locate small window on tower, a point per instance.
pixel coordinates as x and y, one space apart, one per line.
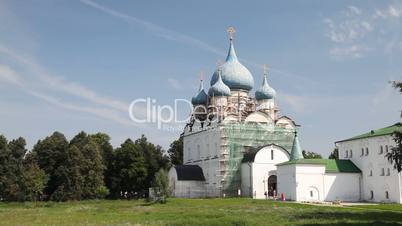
386 148
351 154
272 154
371 194
367 152
388 172
386 195
311 194
346 154
382 172
371 173
362 152
381 149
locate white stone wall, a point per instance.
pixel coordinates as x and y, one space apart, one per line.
310 182
372 163
342 186
203 148
287 181
185 189
264 165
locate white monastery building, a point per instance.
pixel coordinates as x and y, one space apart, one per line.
238 144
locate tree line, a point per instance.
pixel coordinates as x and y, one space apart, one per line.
86 167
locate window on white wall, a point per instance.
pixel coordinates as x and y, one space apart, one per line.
386 195
362 152
388 172
272 154
381 149
367 151
346 154
371 194
350 154
382 171
386 148
189 153
371 173
311 194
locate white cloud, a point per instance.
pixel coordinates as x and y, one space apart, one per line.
349 28
353 51
354 32
9 75
157 30
355 10
174 83
44 83
171 35
393 11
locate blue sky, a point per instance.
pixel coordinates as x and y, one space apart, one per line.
76 65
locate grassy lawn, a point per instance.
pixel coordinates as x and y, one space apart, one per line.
195 212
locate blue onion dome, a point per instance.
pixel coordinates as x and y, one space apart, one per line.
265 92
234 74
219 88
201 98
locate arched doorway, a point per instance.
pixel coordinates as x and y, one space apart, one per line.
272 185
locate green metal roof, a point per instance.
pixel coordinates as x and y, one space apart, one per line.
379 132
331 165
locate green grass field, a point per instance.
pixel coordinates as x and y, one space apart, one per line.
195 212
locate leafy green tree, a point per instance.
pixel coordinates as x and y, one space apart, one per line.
395 155
161 185
334 154
51 154
129 171
4 155
311 155
175 152
14 168
91 167
69 179
106 150
19 180
154 159
35 180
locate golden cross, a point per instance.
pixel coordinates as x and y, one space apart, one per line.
231 30
219 63
266 69
201 76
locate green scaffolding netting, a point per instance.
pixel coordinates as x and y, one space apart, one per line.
239 138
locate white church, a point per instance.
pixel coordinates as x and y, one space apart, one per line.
238 144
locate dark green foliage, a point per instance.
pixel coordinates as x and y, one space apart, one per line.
161 186
50 154
334 154
395 156
129 171
35 181
75 169
87 167
154 158
175 152
311 155
19 180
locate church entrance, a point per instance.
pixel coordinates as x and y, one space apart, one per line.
272 185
